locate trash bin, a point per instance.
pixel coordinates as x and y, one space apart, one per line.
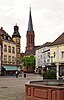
24 75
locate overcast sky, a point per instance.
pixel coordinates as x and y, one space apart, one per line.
47 17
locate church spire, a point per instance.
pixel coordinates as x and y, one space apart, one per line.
30 36
30 25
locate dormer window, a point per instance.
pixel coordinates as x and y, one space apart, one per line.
8 38
4 37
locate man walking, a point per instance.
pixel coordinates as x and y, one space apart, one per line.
16 73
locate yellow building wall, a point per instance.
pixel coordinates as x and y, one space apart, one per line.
52 50
7 53
17 46
57 49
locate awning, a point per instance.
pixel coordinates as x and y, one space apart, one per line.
11 68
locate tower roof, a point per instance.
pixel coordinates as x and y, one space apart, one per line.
30 25
16 31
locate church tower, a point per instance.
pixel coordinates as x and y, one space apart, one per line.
16 38
30 34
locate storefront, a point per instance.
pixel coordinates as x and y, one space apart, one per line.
9 70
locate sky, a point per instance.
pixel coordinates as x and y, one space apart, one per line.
47 17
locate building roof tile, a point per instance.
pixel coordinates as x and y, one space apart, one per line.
59 40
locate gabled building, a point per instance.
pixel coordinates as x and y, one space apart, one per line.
8 54
57 54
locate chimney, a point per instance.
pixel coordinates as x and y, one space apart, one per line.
1 28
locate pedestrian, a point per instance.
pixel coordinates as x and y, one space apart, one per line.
24 75
16 73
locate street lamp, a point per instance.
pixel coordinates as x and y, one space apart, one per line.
52 57
57 63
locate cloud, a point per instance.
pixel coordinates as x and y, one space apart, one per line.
47 16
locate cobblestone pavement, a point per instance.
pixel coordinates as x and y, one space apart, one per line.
12 88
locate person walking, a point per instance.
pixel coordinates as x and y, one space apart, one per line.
16 73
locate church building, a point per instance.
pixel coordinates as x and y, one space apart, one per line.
30 37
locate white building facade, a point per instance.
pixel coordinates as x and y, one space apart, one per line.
43 55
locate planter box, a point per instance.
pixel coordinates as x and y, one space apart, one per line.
36 91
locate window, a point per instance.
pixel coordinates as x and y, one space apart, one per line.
48 54
44 61
18 50
48 60
8 38
13 50
9 58
9 48
41 56
5 58
12 58
4 37
31 39
18 41
62 54
5 48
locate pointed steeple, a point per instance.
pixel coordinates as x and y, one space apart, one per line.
30 25
30 36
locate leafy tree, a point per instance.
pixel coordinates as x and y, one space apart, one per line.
29 61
